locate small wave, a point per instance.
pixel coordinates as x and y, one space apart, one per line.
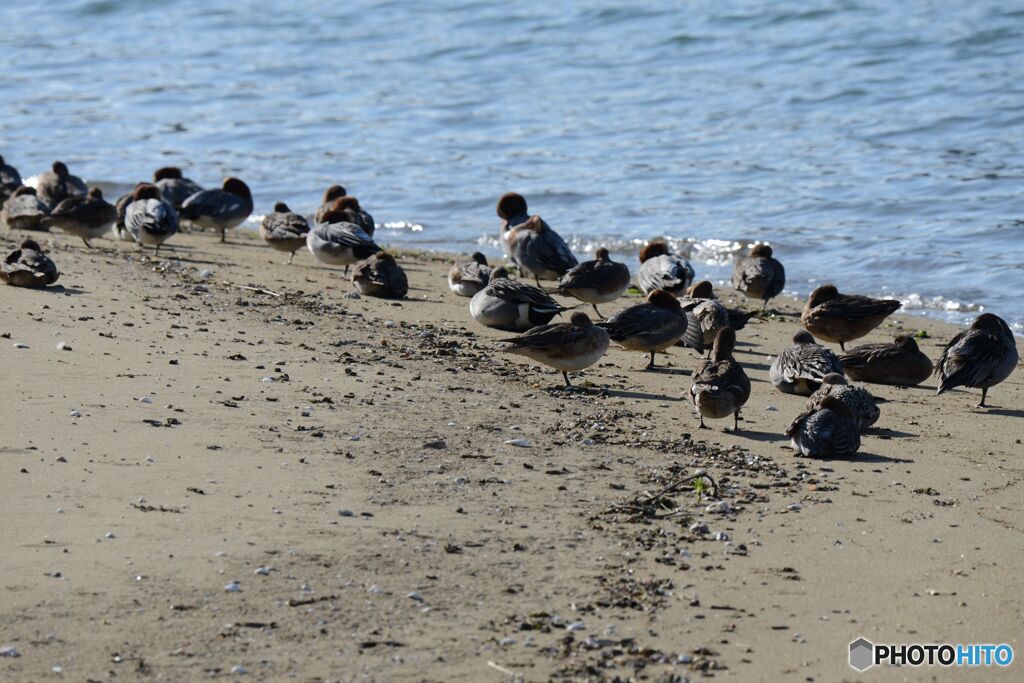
916 302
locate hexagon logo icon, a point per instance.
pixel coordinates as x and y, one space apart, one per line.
862 653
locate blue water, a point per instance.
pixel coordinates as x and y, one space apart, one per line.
876 144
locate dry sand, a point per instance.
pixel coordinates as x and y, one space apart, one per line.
405 538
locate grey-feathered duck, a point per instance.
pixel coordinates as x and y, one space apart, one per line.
380 276
284 230
713 316
530 242
840 318
85 217
654 325
566 347
355 213
28 266
56 185
661 269
830 431
331 194
595 282
24 211
901 363
466 278
220 209
337 242
175 188
759 275
860 401
148 218
511 305
800 368
980 357
720 387
10 180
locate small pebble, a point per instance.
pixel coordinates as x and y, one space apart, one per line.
239 669
721 536
76 413
9 651
19 345
794 507
233 587
521 443
575 626
353 295
145 399
63 346
268 379
390 323
110 534
263 571
699 528
415 596
721 507
346 513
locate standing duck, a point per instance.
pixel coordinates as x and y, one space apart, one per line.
356 213
28 266
661 269
800 368
530 242
840 318
380 276
56 185
284 230
10 180
121 206
466 278
24 211
860 402
713 316
566 347
654 325
331 194
595 282
980 357
148 218
759 275
829 431
220 209
337 242
901 363
174 187
720 388
510 305
86 217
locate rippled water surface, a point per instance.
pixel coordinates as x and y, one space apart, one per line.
879 145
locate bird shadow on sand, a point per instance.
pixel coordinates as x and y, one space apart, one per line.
863 457
642 395
61 289
185 259
1008 412
755 435
886 433
666 371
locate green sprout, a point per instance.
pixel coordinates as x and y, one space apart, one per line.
698 487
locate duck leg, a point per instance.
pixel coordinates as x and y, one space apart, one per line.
223 235
597 311
290 257
702 425
157 252
842 346
568 384
650 364
87 245
984 392
736 421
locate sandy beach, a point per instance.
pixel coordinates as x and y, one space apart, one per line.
237 470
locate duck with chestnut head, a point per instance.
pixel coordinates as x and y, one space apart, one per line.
175 188
840 318
980 357
760 275
661 269
331 194
337 242
901 363
566 347
220 209
355 213
530 242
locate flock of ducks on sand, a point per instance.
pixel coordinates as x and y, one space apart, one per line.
676 311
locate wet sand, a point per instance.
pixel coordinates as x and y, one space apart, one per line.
352 465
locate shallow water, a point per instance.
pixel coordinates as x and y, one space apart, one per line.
878 145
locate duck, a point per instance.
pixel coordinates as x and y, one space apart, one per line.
174 187
840 318
860 401
759 275
829 431
380 276
121 206
720 387
221 209
56 185
284 230
530 242
28 266
23 211
149 218
901 363
85 217
595 282
711 314
566 347
661 269
800 368
466 278
337 242
331 194
10 180
356 213
980 357
510 305
654 325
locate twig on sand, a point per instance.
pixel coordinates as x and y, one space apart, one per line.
252 289
647 504
498 667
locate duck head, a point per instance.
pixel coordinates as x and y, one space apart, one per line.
652 249
479 258
499 273
511 204
803 337
145 191
762 250
236 187
905 341
580 320
702 290
836 406
663 299
345 202
333 192
31 244
95 193
60 169
602 255
990 323
821 295
167 173
833 378
281 207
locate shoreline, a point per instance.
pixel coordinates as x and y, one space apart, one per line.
353 465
